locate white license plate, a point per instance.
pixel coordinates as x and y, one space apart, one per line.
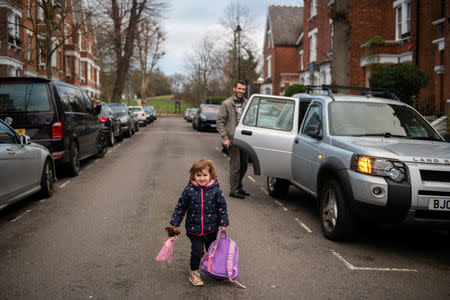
439 204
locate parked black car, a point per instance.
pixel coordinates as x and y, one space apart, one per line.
134 121
206 117
110 125
55 114
120 111
148 112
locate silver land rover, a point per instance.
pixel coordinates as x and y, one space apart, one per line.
362 157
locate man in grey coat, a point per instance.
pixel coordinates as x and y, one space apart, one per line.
229 115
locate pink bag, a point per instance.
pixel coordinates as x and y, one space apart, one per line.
165 254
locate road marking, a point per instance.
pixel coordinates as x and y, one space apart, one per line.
281 205
303 225
352 267
20 216
264 190
64 184
251 178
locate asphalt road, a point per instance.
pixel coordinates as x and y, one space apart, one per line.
98 236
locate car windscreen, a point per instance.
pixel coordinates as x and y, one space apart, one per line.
210 109
118 109
378 119
24 97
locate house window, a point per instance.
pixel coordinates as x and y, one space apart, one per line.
29 39
41 50
332 32
68 66
14 29
313 8
89 71
312 45
301 59
402 19
12 71
269 66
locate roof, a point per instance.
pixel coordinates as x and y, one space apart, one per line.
286 24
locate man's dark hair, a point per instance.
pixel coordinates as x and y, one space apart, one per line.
240 82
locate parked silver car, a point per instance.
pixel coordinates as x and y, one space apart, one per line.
26 167
363 158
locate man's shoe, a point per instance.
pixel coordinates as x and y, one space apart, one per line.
242 192
237 195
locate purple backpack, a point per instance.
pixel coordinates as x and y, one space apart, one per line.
221 260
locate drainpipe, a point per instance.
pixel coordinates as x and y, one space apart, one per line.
417 32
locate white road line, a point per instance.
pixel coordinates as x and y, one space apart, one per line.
251 178
281 205
20 216
64 184
264 190
303 225
352 267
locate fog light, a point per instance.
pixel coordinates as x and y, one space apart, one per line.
378 191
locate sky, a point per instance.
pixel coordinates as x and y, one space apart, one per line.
188 21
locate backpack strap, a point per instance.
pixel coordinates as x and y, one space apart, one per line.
231 252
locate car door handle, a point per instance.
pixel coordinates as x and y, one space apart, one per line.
11 151
246 132
296 139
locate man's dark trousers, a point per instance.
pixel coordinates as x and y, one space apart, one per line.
238 168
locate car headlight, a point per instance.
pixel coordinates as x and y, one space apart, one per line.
123 119
394 170
203 117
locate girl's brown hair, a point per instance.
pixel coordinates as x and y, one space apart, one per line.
201 164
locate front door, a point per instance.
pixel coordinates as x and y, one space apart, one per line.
267 131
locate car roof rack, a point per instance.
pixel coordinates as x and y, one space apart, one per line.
378 92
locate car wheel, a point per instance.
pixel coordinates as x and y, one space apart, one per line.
102 146
112 139
47 179
128 133
120 137
277 187
337 222
74 164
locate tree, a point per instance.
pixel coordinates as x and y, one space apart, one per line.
118 22
236 14
294 89
149 48
403 80
48 24
202 68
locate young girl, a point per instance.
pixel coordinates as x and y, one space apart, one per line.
206 211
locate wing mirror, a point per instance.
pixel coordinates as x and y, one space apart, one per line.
25 140
314 131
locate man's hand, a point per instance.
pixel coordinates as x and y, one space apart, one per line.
227 144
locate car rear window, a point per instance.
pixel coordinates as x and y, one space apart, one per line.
134 109
24 97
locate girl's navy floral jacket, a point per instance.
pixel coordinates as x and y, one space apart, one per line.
205 208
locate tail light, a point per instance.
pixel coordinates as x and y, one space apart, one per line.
143 114
57 131
103 119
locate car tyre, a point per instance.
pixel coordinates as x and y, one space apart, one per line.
47 179
74 164
112 139
277 187
337 221
102 145
128 133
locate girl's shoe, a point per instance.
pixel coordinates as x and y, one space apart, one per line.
195 278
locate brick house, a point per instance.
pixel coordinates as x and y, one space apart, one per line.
314 44
283 27
73 62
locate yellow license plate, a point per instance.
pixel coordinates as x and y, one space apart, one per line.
20 131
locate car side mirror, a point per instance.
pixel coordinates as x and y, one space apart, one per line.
313 131
98 109
25 140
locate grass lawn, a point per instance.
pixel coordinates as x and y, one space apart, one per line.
166 104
